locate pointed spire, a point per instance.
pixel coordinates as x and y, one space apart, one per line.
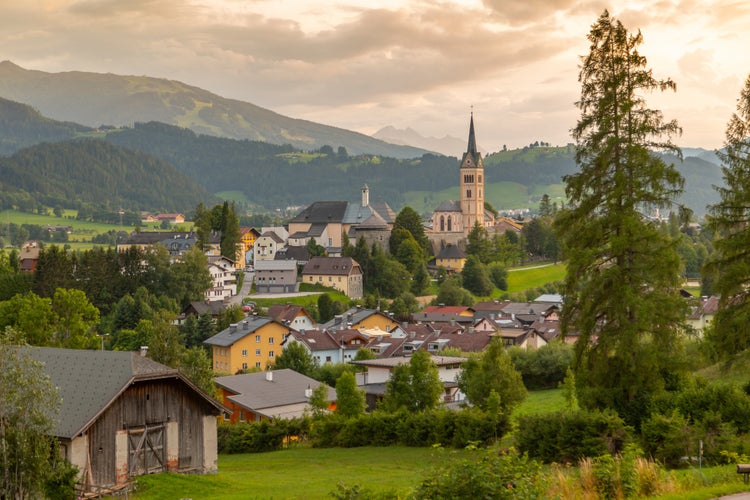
472 147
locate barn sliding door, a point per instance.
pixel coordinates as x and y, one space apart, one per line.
147 449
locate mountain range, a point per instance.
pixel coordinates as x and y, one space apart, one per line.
95 99
262 175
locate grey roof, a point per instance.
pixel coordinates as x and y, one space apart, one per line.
323 212
275 265
553 298
89 381
238 331
331 265
449 206
254 392
300 254
384 211
451 252
212 307
275 237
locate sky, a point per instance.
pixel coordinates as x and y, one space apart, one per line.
424 64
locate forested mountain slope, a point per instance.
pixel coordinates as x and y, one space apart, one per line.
99 173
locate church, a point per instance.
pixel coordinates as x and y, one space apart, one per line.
453 220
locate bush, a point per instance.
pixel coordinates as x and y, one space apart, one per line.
667 438
566 437
492 475
254 437
542 368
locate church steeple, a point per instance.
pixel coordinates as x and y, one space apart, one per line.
472 147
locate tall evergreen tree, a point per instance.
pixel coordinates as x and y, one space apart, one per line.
621 289
731 264
410 220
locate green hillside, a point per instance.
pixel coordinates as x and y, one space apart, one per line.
97 173
96 99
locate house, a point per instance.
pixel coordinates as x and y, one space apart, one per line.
123 415
145 240
503 224
301 255
248 236
329 346
252 343
171 218
378 372
179 243
522 337
223 278
275 276
359 318
451 258
342 273
269 395
292 315
443 313
702 314
29 256
197 308
266 246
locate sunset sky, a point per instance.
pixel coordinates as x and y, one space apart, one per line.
418 64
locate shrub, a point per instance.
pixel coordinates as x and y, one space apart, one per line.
566 437
667 438
491 475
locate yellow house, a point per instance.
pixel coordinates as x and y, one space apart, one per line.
252 343
361 319
451 258
248 235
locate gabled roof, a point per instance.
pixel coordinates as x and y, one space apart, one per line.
254 392
89 381
213 307
273 236
299 254
322 212
287 312
341 266
238 331
316 340
393 362
449 206
451 252
354 315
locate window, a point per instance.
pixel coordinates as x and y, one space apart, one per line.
257 352
468 193
270 354
242 415
244 366
270 340
257 364
244 353
480 178
257 338
330 278
328 359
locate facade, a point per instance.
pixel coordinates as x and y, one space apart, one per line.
341 273
330 346
252 343
266 246
268 395
276 276
223 278
248 235
123 415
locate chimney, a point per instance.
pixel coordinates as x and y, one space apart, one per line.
365 196
144 350
269 374
308 391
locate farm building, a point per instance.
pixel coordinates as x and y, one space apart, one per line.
123 415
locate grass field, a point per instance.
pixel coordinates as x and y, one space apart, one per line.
522 279
296 473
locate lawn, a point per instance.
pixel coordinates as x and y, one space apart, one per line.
308 473
522 279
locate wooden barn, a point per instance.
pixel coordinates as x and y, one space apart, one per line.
123 415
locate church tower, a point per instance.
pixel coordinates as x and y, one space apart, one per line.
472 184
